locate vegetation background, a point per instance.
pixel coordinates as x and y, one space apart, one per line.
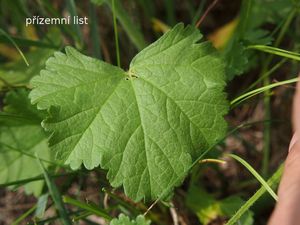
259 127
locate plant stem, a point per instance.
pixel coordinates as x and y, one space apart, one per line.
170 10
133 31
116 33
267 98
73 12
95 31
263 89
255 174
36 178
272 70
24 215
209 8
14 44
90 208
56 196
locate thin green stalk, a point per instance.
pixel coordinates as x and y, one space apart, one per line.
27 42
65 28
82 216
122 202
90 208
52 219
56 196
198 13
244 18
73 13
32 179
24 215
267 74
169 6
273 181
276 51
206 12
31 155
116 33
133 31
267 129
267 94
94 31
14 44
285 26
257 91
255 174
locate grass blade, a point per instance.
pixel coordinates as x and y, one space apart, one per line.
276 51
31 155
73 12
90 208
274 180
16 46
116 33
169 5
130 28
267 74
55 196
94 31
257 91
198 12
24 215
27 42
255 174
52 11
32 179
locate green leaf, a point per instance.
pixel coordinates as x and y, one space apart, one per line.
254 14
145 125
236 58
124 220
19 140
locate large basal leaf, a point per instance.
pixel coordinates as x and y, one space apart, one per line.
124 220
21 137
145 125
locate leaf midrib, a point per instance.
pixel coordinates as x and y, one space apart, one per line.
144 134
